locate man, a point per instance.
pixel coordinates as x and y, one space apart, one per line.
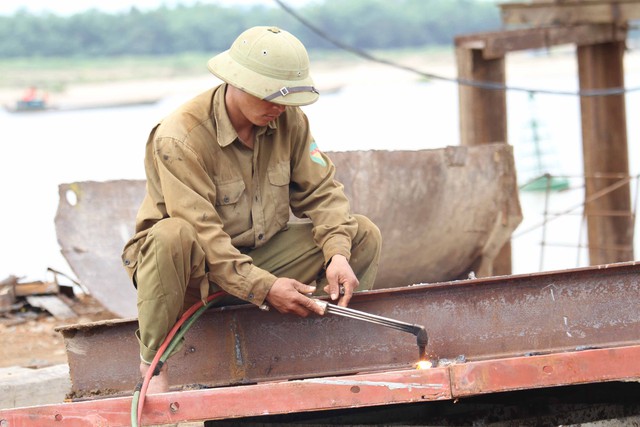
222 173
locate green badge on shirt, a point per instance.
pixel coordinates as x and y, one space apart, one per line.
316 156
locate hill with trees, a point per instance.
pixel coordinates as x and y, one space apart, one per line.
209 28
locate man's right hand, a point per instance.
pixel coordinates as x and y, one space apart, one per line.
289 296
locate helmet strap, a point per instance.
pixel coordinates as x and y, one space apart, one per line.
284 91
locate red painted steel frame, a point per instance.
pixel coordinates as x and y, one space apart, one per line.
344 392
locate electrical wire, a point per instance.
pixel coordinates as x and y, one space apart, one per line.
463 82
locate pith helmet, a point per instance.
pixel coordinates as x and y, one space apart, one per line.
268 63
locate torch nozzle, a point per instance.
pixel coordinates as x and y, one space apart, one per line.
423 340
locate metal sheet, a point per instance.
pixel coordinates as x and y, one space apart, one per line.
342 392
93 222
262 399
551 370
454 227
472 320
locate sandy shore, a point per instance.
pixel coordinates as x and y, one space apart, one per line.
328 75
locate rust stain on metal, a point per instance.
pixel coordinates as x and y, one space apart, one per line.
482 319
567 368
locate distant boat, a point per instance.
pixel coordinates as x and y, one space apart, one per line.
31 105
22 106
32 100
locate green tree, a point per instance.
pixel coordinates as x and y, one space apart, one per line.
363 24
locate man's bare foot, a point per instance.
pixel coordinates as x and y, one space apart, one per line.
158 383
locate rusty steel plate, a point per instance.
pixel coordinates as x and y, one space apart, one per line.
549 370
467 320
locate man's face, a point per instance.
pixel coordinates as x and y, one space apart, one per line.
256 110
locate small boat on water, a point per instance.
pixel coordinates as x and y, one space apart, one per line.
41 105
32 105
32 100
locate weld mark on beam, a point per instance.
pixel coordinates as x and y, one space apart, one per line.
389 385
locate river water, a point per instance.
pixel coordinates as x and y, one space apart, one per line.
42 150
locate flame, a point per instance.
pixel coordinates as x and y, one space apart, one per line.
424 364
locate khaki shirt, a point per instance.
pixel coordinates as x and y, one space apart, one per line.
235 197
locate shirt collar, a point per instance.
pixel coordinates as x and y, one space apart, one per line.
225 131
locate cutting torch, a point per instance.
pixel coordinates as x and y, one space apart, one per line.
417 330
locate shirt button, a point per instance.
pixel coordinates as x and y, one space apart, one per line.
127 262
250 296
226 199
260 236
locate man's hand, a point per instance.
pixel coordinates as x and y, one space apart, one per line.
289 296
340 276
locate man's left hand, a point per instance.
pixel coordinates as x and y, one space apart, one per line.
341 276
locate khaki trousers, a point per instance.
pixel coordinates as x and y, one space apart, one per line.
171 269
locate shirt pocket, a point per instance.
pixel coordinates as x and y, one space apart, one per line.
279 179
231 206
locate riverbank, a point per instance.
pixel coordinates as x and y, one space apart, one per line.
81 85
82 82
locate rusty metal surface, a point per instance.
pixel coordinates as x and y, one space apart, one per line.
472 320
558 369
93 222
274 398
346 392
442 213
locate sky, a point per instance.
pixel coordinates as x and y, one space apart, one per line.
69 7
